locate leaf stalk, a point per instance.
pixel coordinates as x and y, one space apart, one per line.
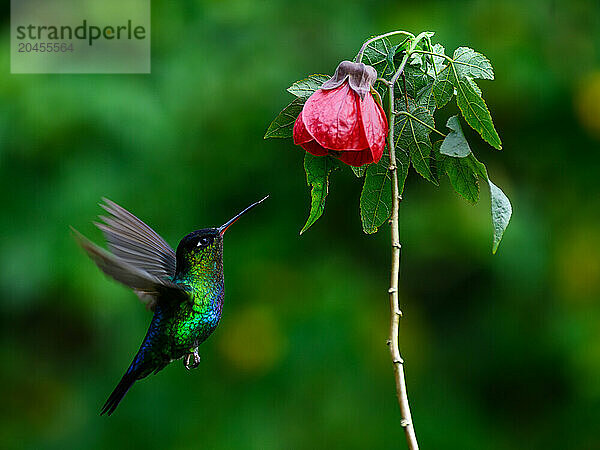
416 119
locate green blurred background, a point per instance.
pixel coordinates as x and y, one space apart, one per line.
501 352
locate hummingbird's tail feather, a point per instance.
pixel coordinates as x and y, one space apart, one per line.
117 395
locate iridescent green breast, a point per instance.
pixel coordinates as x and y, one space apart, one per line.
197 319
201 271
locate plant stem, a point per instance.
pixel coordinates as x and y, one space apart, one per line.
395 312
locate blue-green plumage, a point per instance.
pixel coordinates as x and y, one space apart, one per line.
185 289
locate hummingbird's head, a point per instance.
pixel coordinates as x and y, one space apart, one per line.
200 253
206 240
205 247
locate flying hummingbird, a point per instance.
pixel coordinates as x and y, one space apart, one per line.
185 289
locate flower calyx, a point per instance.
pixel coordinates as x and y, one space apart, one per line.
360 76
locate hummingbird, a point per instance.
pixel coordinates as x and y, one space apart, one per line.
184 288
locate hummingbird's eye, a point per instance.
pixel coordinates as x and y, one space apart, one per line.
203 242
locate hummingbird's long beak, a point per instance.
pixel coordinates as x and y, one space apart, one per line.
223 228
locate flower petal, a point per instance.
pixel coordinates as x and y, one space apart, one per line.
375 125
332 119
314 148
301 135
305 140
357 159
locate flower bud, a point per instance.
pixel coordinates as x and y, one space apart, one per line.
342 119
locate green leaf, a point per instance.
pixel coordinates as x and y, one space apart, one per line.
426 98
412 136
317 170
475 111
359 171
457 77
376 196
306 87
463 173
501 213
438 168
455 143
403 164
415 59
463 176
443 87
476 88
500 204
477 166
376 55
415 80
283 125
437 63
470 63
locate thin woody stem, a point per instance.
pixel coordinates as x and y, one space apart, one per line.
396 313
359 56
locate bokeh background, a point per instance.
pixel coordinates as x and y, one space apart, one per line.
502 352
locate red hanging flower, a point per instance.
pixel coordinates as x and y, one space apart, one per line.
342 119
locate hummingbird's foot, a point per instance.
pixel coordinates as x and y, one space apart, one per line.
192 360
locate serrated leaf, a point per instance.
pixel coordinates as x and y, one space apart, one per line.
376 196
462 177
437 63
318 169
426 98
412 136
443 87
470 63
306 87
501 213
476 88
415 59
283 125
455 144
457 78
414 80
475 111
375 55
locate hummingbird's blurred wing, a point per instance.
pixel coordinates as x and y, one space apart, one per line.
148 287
136 243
